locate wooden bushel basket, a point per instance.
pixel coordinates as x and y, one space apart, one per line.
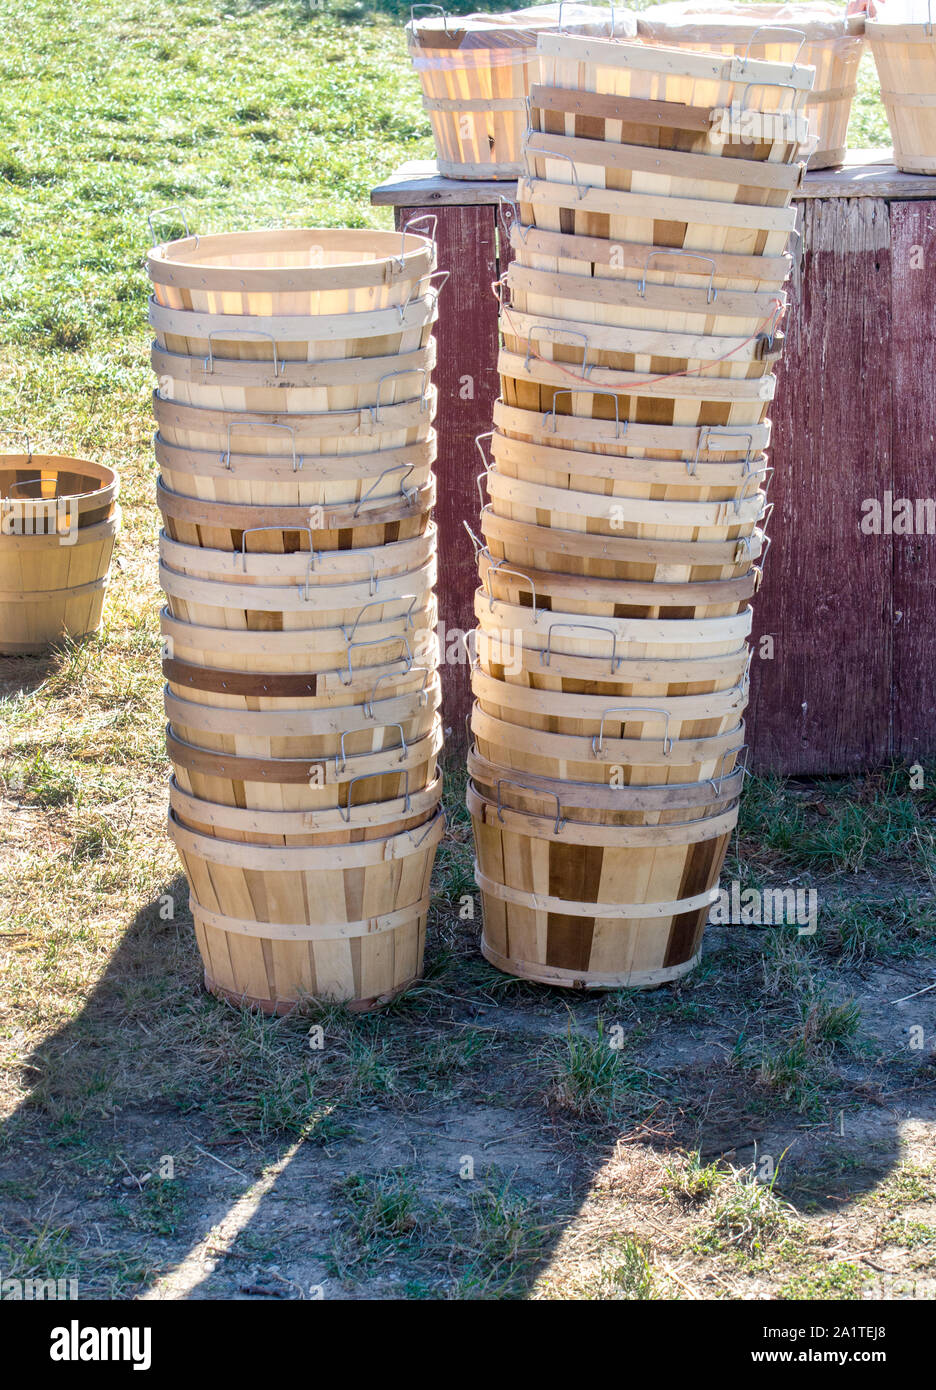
566 252
216 383
595 804
617 303
314 271
628 168
366 480
615 677
332 656
58 521
679 717
476 73
393 721
278 925
371 522
594 907
605 515
673 127
696 478
619 557
284 436
332 567
652 757
905 57
535 375
556 202
818 34
546 591
706 83
293 829
305 605
296 337
393 768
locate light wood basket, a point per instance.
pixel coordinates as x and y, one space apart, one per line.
58 521
277 926
594 907
815 34
476 75
905 56
313 271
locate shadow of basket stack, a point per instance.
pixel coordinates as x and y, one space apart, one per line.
625 528
295 445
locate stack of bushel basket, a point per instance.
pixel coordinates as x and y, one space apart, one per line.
627 480
295 446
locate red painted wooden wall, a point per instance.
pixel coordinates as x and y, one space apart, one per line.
852 617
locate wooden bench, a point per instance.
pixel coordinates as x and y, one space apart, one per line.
847 678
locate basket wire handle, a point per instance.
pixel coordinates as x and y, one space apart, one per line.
341 758
581 627
363 777
438 10
776 29
537 328
580 188
408 494
711 293
252 530
252 424
376 642
570 391
278 367
181 217
598 740
512 782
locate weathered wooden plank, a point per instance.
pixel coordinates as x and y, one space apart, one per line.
821 704
864 174
466 377
913 265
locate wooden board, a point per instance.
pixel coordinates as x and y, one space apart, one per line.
864 174
467 383
913 256
822 703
